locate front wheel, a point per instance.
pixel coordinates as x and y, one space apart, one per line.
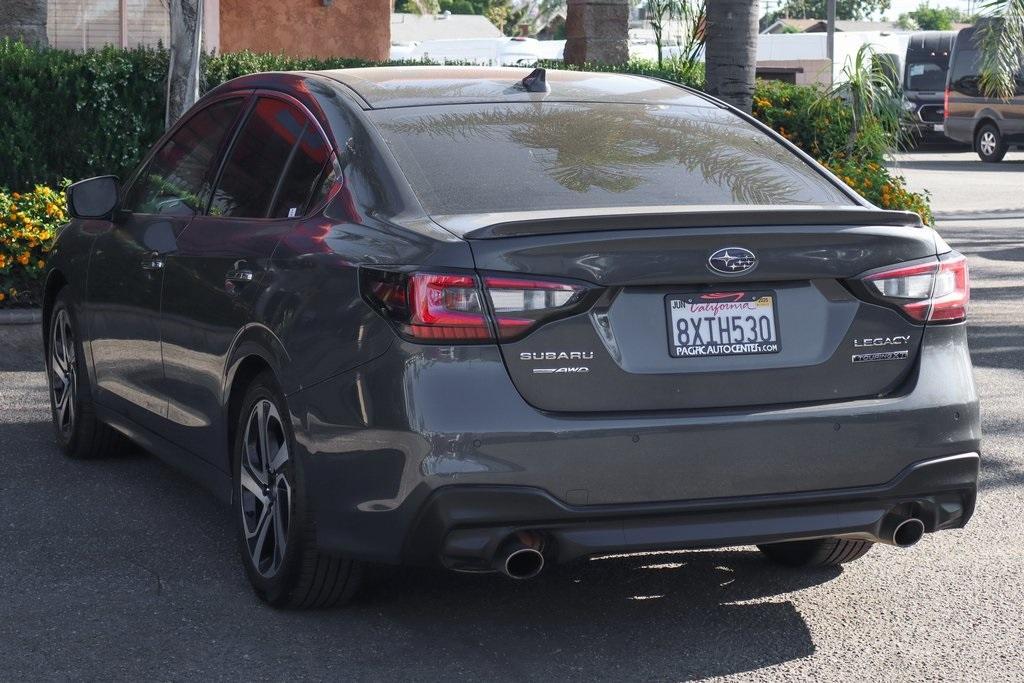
818 552
989 144
275 533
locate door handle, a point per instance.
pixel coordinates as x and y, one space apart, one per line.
239 276
152 262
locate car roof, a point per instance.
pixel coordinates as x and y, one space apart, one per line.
417 86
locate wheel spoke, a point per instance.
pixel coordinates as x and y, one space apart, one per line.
280 535
260 535
250 484
280 458
263 447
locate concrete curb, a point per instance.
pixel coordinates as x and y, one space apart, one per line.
21 316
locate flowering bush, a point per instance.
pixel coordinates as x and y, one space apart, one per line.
878 185
29 222
820 125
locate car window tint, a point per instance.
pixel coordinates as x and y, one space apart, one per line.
176 180
966 67
560 155
307 165
264 148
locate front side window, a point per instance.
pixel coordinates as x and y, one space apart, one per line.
176 180
272 166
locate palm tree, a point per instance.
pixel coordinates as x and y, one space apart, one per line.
1002 47
731 52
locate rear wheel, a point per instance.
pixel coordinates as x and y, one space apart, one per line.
989 144
818 552
79 433
275 533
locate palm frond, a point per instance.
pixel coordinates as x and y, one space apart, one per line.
1002 47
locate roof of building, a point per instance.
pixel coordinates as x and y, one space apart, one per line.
842 25
411 86
409 28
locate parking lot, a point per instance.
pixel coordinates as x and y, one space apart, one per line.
124 569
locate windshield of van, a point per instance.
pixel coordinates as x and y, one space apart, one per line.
926 69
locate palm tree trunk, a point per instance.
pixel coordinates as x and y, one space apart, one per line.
731 52
186 49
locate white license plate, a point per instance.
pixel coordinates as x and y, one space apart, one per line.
704 324
938 127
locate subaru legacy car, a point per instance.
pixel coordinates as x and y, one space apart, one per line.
492 320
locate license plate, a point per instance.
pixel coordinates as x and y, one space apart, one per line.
938 127
705 324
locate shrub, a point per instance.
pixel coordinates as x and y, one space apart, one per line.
75 115
29 222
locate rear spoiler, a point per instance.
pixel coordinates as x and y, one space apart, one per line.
521 224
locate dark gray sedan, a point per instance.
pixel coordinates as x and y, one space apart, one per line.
456 316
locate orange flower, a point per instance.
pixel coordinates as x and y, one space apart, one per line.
40 264
2 296
23 258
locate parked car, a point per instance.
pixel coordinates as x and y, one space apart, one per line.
991 124
924 83
454 316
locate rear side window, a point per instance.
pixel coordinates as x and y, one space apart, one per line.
272 166
177 179
966 67
562 155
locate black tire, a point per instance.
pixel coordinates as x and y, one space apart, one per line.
989 143
293 575
80 434
818 552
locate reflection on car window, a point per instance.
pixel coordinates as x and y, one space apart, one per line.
176 180
276 139
508 157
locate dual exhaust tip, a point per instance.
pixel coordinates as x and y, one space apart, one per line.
519 557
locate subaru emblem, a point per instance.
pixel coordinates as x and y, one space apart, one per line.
732 261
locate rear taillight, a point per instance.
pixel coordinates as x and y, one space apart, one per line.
520 304
449 307
430 307
945 105
936 291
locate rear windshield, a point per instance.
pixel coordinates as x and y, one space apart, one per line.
525 156
928 73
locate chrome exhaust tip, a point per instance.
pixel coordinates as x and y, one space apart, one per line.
908 532
519 557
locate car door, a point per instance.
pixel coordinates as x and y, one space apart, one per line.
215 278
126 265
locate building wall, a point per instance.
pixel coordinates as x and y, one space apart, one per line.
308 28
806 71
23 20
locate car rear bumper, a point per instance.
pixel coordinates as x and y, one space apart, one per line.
438 433
464 526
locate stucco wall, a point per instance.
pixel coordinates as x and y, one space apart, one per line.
306 28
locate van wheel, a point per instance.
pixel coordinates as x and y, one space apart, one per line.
275 532
818 552
989 144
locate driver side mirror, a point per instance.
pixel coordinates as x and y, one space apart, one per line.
93 198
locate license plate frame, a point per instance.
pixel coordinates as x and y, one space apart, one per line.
723 304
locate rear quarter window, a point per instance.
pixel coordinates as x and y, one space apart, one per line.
525 156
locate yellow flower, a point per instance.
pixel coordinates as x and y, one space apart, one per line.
16 195
40 264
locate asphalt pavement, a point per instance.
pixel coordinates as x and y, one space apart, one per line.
123 569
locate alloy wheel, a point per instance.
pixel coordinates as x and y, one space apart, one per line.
987 143
265 493
63 373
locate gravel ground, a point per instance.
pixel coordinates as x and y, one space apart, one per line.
123 569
